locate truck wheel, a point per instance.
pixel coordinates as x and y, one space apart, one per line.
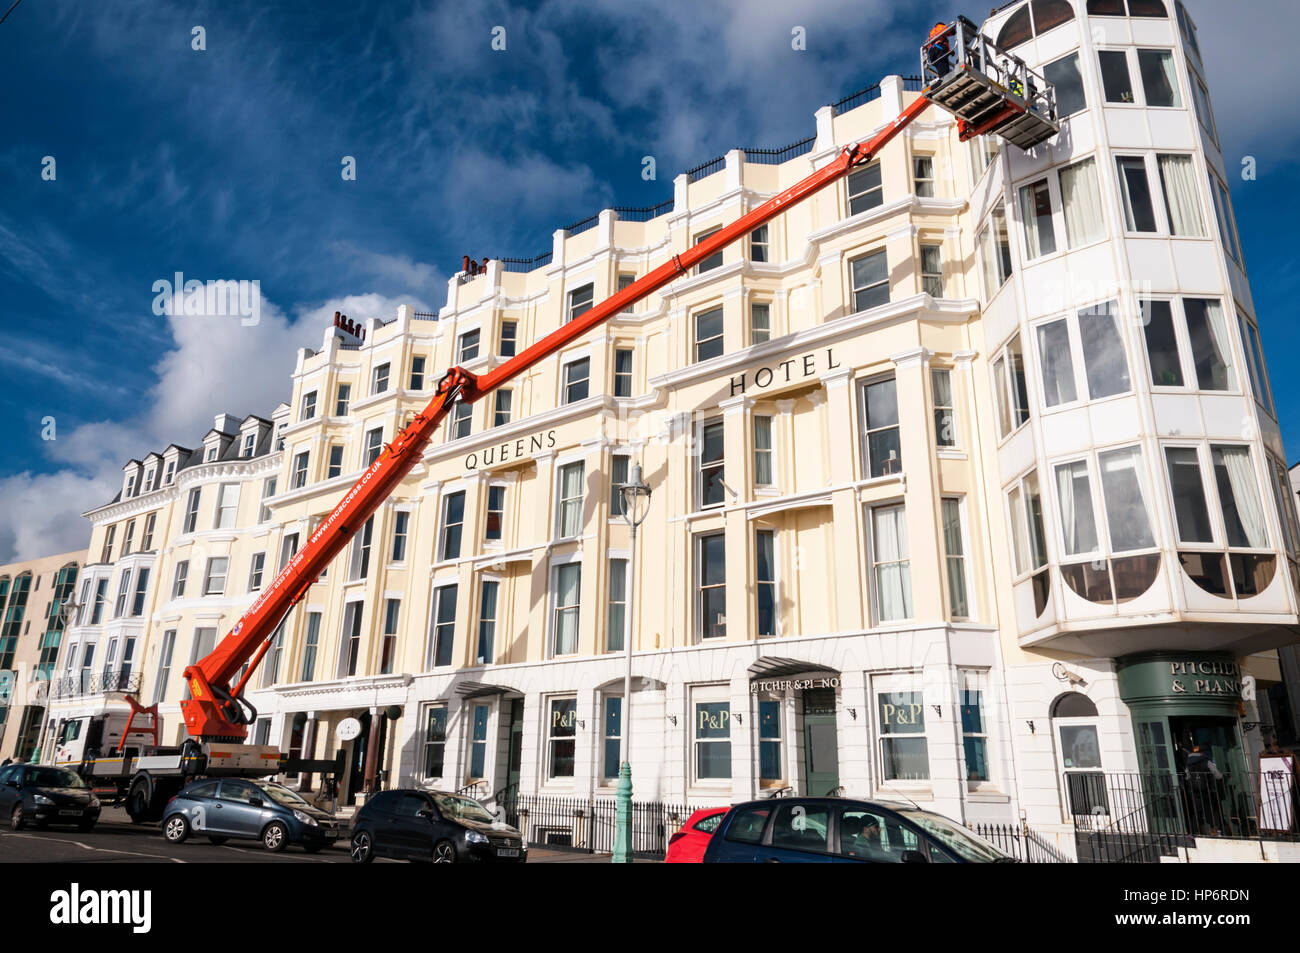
176 829
16 820
275 837
137 802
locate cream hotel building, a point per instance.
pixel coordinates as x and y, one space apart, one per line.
966 480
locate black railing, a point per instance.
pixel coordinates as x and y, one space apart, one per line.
627 213
1020 843
854 100
589 824
526 264
424 315
783 154
579 227
474 789
705 169
96 683
913 84
507 801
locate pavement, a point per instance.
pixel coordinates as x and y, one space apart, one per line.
116 840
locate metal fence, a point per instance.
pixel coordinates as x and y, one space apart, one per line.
782 154
589 824
96 683
1021 843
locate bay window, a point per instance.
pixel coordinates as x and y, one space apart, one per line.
569 500
891 578
1085 222
708 334
712 465
881 447
1036 215
865 189
870 280
1010 387
561 738
487 622
442 627
711 592
1159 79
711 723
567 591
900 707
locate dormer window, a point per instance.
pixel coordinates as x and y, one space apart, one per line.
149 483
130 485
250 441
171 471
212 454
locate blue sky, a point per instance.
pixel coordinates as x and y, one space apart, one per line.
225 164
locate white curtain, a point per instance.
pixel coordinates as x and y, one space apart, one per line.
1180 196
1171 78
1029 215
567 580
571 494
1078 527
1084 220
1245 495
1126 510
1219 329
893 574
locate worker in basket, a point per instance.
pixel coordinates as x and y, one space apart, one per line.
939 53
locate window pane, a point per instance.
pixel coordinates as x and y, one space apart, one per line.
1162 345
1208 334
1065 77
1181 201
1084 220
1114 76
708 334
1243 517
1078 523
1138 213
1126 510
1190 509
870 275
1057 363
893 582
1159 81
958 602
865 190
1103 351
1036 213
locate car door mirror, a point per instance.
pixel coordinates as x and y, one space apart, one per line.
914 857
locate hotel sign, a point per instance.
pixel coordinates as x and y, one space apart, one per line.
766 685
1205 678
784 372
511 450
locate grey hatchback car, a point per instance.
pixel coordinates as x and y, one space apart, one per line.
222 808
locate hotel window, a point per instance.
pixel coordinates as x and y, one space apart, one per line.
870 277
130 487
106 553
568 517
712 465
350 640
1182 205
1116 84
146 538
227 506
279 435
171 471
945 416
1139 214
250 438
123 590
760 248
467 347
359 564
268 491
891 575
417 372
487 622
478 743
271 666
164 665
865 189
708 334
379 379
881 447
1201 100
509 338
618 468
435 741
1159 79
1136 8
612 734
711 571
760 322
401 523
622 372
770 763
308 407
1067 81
214 580
1101 349
256 567
299 471
625 280
128 537
1227 227
462 419
288 548
501 408
714 260
974 727
179 578
1255 365
762 450
995 251
97 608
453 520
494 525
923 176
1081 200
932 270
1036 215
954 550
904 753
765 581
341 399
335 466
211 455
561 737
577 378
388 648
568 596
1202 326
580 301
310 643
616 619
191 516
982 150
712 723
374 445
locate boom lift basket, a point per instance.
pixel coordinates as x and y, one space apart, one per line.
989 91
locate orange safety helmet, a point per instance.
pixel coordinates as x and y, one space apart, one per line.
937 29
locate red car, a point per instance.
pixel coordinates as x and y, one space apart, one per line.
687 845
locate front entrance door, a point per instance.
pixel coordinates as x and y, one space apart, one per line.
516 741
1217 805
820 742
357 762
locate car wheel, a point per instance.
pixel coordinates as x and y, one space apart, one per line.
217 839
16 819
275 837
363 849
444 852
176 828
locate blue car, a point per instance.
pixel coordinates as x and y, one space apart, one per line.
222 808
831 830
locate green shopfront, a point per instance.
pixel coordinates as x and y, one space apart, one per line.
1181 702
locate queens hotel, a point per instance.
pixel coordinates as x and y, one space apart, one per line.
966 479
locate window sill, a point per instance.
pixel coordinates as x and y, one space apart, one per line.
977 794
950 453
916 792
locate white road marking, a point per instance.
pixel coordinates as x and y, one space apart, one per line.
104 850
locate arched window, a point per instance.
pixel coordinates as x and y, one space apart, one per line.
1136 8
1047 14
1016 30
1073 705
1106 8
1051 13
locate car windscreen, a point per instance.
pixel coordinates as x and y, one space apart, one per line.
281 794
51 778
462 808
956 838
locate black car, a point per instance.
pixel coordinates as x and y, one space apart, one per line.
831 830
432 826
38 794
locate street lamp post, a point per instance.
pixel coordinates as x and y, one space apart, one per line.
635 496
